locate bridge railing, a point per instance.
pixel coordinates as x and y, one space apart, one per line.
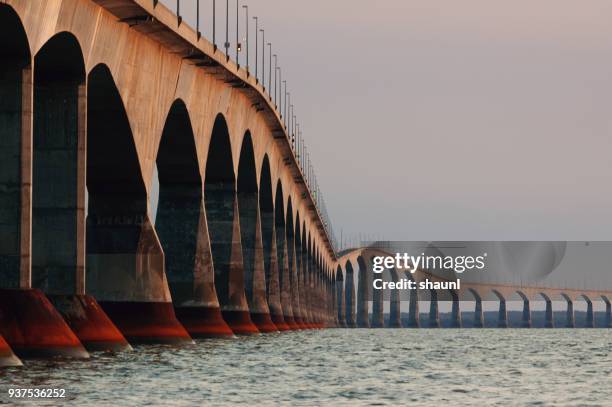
279 100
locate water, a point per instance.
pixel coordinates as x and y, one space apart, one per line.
443 367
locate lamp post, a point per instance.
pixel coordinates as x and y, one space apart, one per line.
285 104
227 43
237 34
270 71
263 58
214 13
246 9
256 47
275 78
198 33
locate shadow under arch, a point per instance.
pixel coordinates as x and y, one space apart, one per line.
549 314
299 272
282 253
292 263
223 219
251 237
340 297
502 318
526 316
15 89
349 292
58 187
269 239
364 293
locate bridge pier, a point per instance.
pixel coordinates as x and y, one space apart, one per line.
590 317
608 318
255 275
349 287
526 317
364 290
502 321
283 263
395 312
7 357
378 320
550 318
456 310
570 321
413 311
34 328
478 314
434 317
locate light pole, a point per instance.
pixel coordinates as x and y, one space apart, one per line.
263 58
256 47
284 112
275 77
237 35
270 71
198 33
215 25
246 9
227 43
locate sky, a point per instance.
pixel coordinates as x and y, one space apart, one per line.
445 119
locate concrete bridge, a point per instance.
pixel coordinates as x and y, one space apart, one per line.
96 96
353 304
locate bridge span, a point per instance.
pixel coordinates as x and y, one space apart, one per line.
353 305
96 96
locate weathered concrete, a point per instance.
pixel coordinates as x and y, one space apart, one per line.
570 319
341 298
590 317
349 288
395 312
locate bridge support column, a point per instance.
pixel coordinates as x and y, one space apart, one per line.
413 312
526 319
570 321
550 317
590 317
272 272
478 314
608 318
456 311
341 303
229 272
7 357
378 320
284 277
364 294
295 291
395 312
502 321
254 268
350 300
434 317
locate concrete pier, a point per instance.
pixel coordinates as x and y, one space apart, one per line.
413 312
456 310
349 288
434 317
395 312
7 357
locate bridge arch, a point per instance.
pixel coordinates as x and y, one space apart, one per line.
283 255
58 191
179 220
222 213
16 66
349 292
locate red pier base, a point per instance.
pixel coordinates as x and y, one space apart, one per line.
264 323
279 322
291 323
89 322
147 322
33 328
7 357
300 323
203 322
240 322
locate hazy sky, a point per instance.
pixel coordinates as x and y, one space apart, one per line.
450 120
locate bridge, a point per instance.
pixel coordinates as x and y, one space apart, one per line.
101 98
96 96
352 304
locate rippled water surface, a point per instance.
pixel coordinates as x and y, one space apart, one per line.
344 367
